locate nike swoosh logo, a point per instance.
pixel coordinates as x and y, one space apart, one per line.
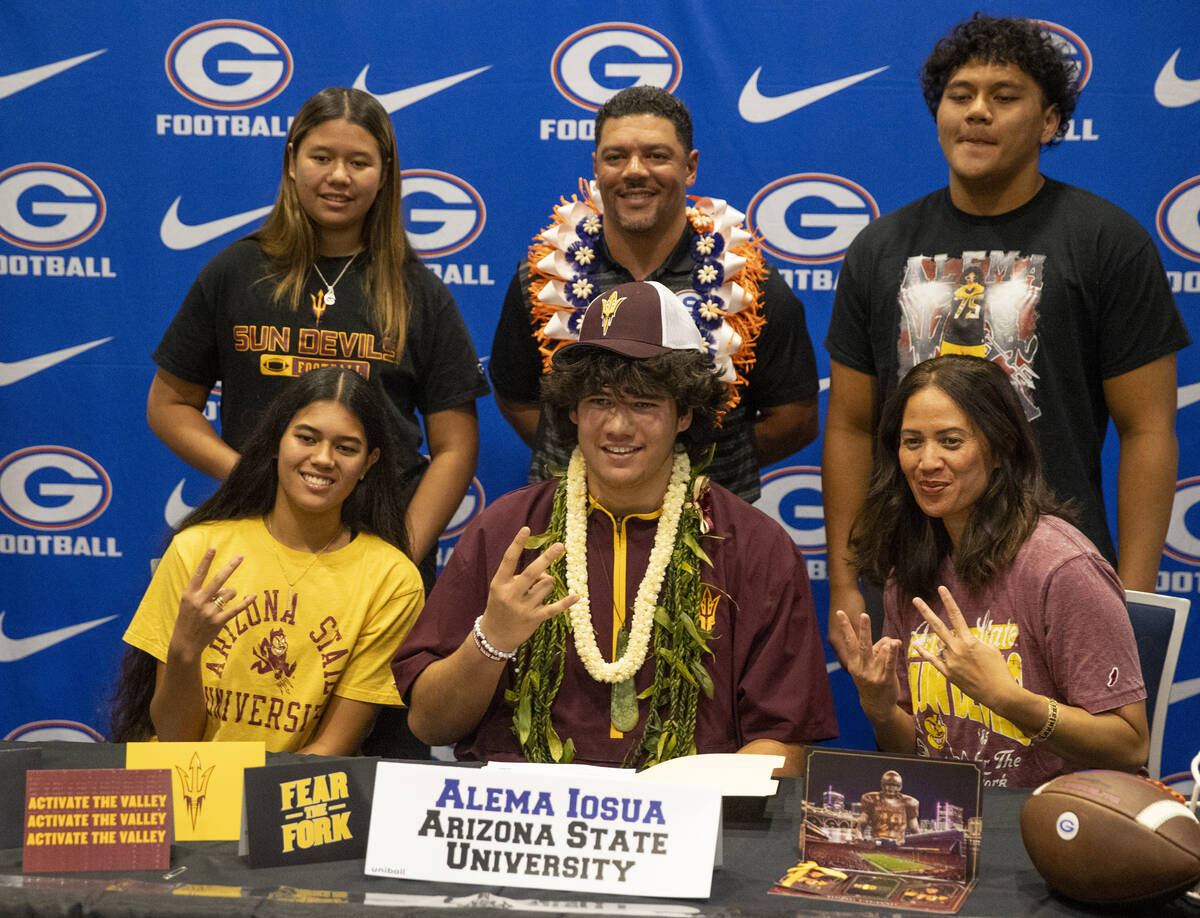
1188 395
1181 691
1171 90
176 509
13 649
176 234
394 101
19 369
15 82
756 108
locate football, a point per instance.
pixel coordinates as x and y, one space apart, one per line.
1111 837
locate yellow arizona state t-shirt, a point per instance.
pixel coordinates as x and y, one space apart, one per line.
272 669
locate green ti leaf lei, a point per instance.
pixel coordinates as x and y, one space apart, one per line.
679 644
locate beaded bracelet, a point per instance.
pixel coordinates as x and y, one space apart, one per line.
485 648
1051 723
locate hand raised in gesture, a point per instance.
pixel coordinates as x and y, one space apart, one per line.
873 667
516 602
205 607
978 668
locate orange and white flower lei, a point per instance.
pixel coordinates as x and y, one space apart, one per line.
735 307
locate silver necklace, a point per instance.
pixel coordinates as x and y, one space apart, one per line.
330 296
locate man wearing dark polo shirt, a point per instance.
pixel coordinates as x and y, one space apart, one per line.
635 223
700 601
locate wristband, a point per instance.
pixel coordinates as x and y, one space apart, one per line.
485 648
1051 723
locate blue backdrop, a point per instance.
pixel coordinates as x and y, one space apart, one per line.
139 140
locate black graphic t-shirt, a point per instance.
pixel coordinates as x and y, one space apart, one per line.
1064 292
228 329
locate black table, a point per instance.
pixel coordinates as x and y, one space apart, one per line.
760 843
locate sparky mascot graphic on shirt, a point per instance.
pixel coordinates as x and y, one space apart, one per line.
935 730
271 657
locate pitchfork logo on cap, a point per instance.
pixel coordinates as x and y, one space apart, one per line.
608 311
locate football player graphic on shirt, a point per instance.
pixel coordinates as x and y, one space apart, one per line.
981 303
965 326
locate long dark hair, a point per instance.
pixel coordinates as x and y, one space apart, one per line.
892 536
290 241
377 505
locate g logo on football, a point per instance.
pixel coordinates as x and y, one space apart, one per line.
835 209
260 72
1067 825
1072 47
66 209
622 54
452 223
1178 218
53 488
792 497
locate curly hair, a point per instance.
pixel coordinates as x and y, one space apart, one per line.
685 376
648 100
892 536
1020 42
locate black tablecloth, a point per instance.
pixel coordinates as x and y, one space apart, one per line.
760 843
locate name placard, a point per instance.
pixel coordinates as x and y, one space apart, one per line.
595 834
97 819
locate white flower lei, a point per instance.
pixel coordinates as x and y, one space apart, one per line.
647 594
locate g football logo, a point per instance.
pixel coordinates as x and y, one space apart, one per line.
442 212
1178 218
471 506
44 731
53 488
792 497
1072 47
202 66
594 64
812 217
1183 543
45 206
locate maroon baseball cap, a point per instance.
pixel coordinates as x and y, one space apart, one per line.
638 319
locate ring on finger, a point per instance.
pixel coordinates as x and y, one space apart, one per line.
218 600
